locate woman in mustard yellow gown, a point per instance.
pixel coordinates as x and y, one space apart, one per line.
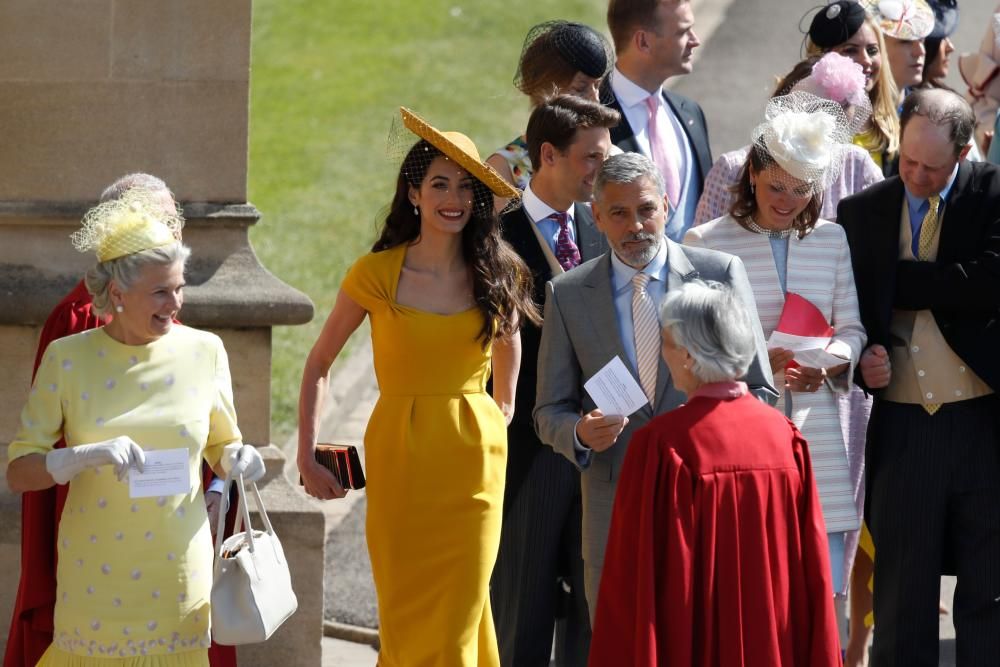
444 295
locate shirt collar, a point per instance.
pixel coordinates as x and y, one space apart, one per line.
917 203
622 273
724 390
627 92
538 210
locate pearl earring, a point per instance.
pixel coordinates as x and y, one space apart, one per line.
416 211
119 309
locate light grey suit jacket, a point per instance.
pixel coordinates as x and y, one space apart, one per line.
580 336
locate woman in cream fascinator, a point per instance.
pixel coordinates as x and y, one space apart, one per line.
134 567
775 228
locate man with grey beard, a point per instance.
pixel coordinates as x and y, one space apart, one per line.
606 308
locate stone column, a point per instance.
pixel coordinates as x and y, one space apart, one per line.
94 89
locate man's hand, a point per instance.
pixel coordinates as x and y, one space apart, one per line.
874 365
779 358
597 432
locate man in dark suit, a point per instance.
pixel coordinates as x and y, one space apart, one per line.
553 231
654 40
591 318
926 252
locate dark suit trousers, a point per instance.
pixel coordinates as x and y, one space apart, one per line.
934 495
539 544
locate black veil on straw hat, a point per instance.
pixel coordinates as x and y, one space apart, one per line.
581 46
836 23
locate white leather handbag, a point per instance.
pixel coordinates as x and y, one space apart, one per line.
252 590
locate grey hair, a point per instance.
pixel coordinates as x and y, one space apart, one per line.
943 108
136 180
125 271
712 324
627 168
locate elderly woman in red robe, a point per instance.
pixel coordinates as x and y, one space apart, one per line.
717 553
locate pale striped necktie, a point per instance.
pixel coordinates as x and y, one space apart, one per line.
646 327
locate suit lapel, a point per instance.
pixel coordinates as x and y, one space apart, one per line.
883 246
598 292
622 134
679 271
517 230
956 210
694 130
589 238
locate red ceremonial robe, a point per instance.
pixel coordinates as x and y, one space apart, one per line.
32 621
717 553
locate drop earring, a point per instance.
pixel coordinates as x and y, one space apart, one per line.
416 211
753 187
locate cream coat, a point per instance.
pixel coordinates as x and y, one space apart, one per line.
819 269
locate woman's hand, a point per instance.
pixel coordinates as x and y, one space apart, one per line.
121 453
779 358
802 379
240 459
507 409
318 481
837 371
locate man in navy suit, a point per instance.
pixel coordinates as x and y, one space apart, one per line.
540 542
654 40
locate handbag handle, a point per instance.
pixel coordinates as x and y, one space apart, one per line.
243 515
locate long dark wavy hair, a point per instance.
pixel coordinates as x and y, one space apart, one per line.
501 281
745 205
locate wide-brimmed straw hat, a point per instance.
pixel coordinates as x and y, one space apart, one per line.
462 150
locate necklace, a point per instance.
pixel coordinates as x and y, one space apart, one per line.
769 233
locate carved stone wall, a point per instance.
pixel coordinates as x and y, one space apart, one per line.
92 90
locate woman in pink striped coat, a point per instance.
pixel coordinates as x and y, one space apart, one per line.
775 228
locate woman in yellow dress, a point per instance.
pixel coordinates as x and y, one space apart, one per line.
134 572
444 295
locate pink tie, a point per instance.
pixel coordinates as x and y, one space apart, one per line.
663 148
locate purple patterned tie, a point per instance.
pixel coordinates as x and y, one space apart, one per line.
567 254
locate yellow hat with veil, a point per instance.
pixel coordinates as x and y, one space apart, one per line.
136 221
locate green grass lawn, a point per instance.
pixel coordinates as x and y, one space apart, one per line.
327 79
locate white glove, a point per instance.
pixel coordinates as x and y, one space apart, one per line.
121 452
240 459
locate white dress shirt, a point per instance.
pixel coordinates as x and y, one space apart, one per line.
632 99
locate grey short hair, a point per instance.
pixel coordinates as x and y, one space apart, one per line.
712 324
627 168
136 180
125 271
